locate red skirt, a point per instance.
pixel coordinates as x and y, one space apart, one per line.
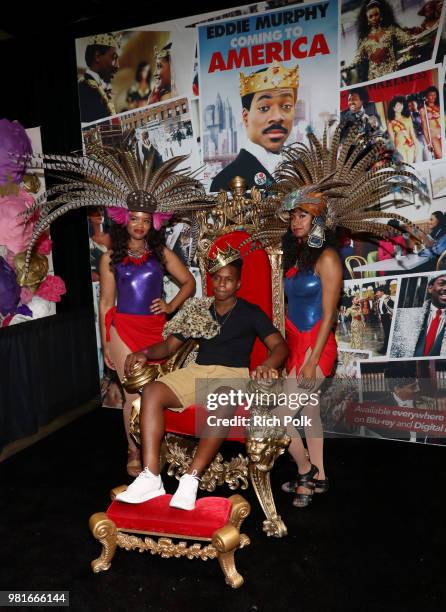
136 331
300 341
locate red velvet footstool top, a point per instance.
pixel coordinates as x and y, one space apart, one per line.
156 516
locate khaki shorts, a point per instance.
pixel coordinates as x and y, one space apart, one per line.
183 382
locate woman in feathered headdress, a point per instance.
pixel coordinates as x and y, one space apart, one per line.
138 199
323 188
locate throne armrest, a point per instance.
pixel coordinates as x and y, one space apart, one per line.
143 374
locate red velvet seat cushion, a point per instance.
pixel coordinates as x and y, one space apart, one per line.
156 516
190 422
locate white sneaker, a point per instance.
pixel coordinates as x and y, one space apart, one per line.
186 494
145 486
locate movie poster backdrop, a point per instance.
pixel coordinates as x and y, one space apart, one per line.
382 37
387 71
302 39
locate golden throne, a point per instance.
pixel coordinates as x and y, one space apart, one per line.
231 220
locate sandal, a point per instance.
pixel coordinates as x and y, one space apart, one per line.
321 486
307 480
134 466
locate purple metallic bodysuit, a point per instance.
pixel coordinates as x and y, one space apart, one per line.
138 286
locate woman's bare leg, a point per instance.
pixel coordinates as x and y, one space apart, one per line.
118 352
437 145
313 435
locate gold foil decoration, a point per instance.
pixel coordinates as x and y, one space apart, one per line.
31 183
38 270
9 188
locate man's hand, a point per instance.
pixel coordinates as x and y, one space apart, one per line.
132 359
263 372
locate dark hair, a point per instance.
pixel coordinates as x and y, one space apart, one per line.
94 210
391 110
432 88
238 265
387 16
399 380
394 223
247 101
440 229
119 236
430 4
413 98
361 92
400 375
299 254
91 51
139 70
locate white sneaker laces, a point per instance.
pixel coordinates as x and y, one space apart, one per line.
146 473
193 475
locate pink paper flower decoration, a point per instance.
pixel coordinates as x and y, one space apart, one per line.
118 215
44 245
10 258
26 295
51 289
121 216
159 218
15 234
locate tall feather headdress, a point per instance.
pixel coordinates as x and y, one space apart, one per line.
114 178
342 184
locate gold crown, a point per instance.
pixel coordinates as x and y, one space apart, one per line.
274 77
220 259
106 40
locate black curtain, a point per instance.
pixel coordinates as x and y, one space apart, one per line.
49 366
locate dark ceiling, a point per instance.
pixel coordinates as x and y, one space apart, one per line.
84 17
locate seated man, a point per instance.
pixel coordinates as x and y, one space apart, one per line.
224 356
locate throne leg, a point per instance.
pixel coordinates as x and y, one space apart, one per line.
104 530
262 453
226 540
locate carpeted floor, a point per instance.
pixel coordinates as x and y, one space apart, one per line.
376 541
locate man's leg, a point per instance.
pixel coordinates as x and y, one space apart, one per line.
156 397
212 437
386 322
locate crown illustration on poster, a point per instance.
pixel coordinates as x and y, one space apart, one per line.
220 259
274 77
163 52
106 40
